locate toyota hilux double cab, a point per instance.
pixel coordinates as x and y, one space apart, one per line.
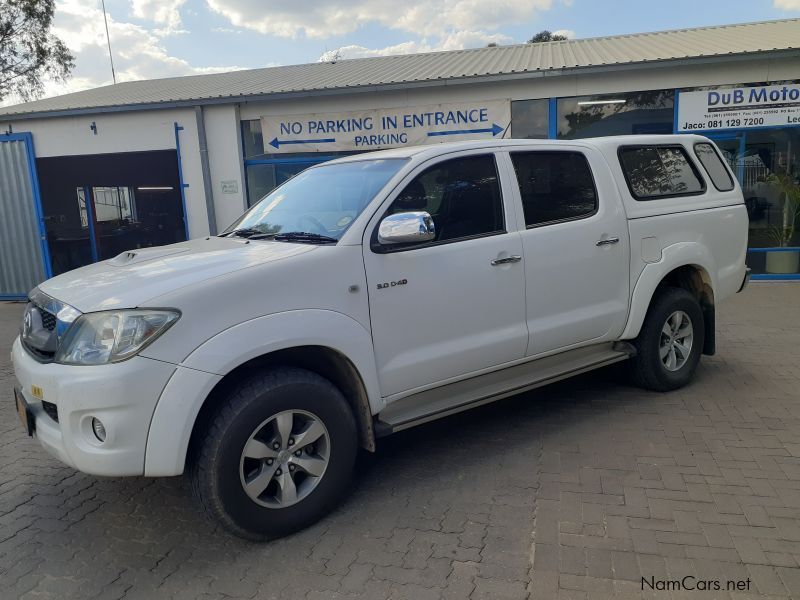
372 293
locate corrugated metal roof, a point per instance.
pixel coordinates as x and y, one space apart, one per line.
679 44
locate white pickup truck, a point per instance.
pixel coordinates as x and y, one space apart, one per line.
372 293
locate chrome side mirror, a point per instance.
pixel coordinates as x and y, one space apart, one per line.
407 227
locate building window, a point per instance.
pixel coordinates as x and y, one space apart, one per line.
654 172
264 171
616 114
529 119
252 140
554 186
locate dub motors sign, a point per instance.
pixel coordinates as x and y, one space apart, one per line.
740 107
386 127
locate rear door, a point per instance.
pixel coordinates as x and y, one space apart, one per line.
445 309
576 247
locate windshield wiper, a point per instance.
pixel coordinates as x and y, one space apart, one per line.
304 236
244 232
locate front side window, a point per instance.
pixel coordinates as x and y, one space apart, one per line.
554 186
322 200
656 172
712 163
462 195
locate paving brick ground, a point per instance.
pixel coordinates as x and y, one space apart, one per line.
575 491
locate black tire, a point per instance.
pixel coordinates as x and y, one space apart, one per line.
649 371
216 467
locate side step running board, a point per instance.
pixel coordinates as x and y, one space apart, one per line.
462 395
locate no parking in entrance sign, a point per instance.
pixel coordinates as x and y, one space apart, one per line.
386 127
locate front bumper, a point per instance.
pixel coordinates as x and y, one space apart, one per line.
122 395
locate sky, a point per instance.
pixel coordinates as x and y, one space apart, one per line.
166 38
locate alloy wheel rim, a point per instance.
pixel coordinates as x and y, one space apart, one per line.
675 345
284 458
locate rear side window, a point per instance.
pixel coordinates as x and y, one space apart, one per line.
555 186
712 163
655 172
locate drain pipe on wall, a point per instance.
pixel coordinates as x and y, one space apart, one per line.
208 189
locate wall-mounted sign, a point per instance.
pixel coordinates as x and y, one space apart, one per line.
739 107
230 186
386 127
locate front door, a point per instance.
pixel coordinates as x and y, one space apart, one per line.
576 248
441 310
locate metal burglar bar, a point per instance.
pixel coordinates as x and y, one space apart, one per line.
22 247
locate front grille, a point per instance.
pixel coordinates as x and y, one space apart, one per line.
51 410
48 319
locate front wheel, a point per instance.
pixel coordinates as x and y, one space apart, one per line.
670 342
277 455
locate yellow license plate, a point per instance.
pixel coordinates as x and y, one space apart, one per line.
37 392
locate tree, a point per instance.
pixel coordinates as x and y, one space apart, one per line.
546 36
29 54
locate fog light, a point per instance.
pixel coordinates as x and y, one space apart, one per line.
99 429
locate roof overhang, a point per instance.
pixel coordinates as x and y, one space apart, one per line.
387 87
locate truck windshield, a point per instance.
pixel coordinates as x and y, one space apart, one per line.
317 205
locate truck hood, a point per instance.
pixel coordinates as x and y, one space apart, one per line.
132 278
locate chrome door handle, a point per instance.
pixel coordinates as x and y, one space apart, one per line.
607 242
508 259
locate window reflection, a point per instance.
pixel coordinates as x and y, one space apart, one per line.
659 171
529 119
616 114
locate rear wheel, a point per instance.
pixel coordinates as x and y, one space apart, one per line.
278 454
670 342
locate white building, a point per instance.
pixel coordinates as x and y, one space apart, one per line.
87 175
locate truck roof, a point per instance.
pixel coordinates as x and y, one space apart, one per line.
602 143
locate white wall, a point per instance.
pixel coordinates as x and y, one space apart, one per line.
226 161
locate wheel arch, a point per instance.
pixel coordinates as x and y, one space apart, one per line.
322 360
687 266
328 343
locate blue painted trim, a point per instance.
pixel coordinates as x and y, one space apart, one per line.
776 249
552 118
27 138
675 106
733 134
182 184
742 150
88 198
246 190
288 161
12 297
15 137
776 277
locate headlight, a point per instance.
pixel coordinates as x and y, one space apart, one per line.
64 315
112 336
